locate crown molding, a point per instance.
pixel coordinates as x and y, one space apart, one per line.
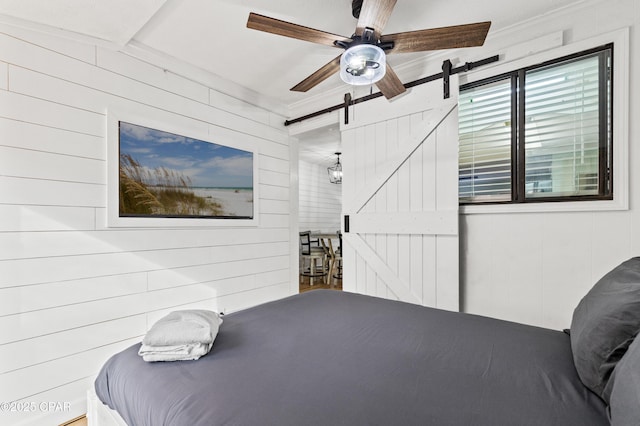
148 55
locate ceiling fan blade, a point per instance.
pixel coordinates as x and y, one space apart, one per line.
467 35
374 14
287 29
390 85
319 76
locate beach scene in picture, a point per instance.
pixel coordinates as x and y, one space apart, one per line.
167 175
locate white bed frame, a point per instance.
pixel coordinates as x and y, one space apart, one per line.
98 414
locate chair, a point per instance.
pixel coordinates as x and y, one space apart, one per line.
335 261
310 256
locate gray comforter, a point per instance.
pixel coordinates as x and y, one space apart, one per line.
335 358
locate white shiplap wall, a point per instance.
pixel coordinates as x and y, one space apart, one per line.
72 291
320 201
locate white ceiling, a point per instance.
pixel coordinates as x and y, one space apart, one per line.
211 34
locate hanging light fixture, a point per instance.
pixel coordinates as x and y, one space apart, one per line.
335 171
364 60
362 64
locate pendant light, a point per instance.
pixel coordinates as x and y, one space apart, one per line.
335 171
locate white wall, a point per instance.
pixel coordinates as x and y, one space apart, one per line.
72 291
319 200
534 267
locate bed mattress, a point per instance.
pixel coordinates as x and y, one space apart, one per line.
336 358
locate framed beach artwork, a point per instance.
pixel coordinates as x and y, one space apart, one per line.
161 175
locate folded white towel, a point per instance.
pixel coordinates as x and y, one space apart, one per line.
184 327
186 352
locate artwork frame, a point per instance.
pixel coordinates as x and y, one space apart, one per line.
232 201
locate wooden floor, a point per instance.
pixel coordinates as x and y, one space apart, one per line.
80 421
318 284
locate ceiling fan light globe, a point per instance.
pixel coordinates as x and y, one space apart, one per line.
362 64
357 62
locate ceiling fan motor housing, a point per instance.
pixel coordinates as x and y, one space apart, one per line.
367 37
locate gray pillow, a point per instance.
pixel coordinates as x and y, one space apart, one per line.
625 395
604 324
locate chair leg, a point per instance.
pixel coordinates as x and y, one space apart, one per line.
317 269
313 271
332 265
325 265
312 265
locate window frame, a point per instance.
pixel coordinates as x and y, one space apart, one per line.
518 80
619 123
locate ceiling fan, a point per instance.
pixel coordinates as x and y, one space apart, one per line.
364 59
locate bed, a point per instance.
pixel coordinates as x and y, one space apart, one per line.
336 358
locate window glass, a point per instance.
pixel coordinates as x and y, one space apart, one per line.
539 133
562 134
485 142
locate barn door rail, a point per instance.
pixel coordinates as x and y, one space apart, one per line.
447 71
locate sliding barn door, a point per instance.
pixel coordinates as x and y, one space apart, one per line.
400 198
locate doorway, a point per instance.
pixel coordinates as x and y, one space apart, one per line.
319 200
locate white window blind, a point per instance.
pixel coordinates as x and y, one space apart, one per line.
485 142
538 133
562 130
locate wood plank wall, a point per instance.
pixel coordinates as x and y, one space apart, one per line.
72 291
320 201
